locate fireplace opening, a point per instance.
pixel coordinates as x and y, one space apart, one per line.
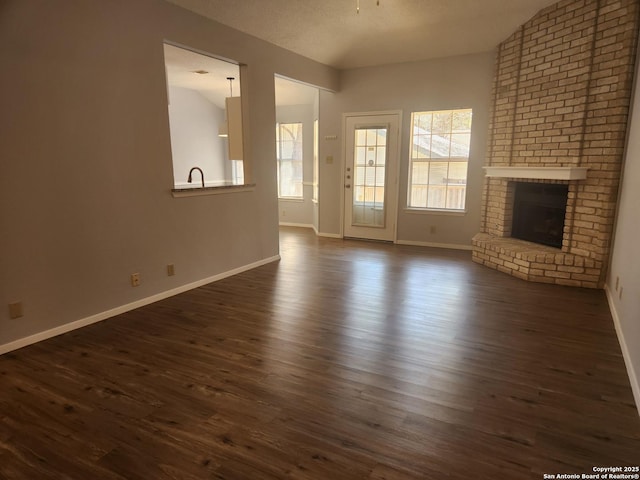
538 212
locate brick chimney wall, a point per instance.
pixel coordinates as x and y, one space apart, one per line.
561 97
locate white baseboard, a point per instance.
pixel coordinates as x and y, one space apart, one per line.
452 246
98 317
329 235
633 378
291 224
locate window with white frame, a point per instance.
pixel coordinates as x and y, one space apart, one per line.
439 157
289 155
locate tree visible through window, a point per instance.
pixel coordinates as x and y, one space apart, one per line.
439 157
289 154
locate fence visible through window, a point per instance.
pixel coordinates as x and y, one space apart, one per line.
440 142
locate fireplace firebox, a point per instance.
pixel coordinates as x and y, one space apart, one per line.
538 212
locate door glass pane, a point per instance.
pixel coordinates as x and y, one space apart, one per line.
370 176
370 153
369 198
372 133
382 136
371 156
361 137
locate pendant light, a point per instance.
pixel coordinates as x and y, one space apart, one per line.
358 5
223 129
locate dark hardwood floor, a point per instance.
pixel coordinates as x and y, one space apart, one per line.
345 360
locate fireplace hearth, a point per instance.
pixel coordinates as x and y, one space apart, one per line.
539 212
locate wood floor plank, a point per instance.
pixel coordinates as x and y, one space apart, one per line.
345 360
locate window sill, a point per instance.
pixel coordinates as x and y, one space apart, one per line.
291 199
434 211
200 191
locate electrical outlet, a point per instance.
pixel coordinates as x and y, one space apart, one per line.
432 229
284 213
16 310
171 270
135 279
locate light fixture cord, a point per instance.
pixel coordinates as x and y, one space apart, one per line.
231 79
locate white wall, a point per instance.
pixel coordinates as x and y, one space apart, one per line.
85 159
193 123
293 210
625 266
455 82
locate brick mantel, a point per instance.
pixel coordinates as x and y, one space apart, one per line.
561 97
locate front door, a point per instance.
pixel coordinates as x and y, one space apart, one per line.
371 176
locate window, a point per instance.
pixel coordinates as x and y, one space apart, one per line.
316 165
439 158
237 172
200 113
289 154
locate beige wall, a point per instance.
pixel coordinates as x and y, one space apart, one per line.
455 82
623 283
85 172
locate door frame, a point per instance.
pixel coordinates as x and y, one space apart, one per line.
343 165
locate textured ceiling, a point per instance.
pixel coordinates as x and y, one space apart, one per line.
182 67
331 32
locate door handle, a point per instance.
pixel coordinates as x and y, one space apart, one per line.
347 186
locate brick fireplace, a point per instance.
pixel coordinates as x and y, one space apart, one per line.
561 97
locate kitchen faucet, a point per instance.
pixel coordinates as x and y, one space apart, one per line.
201 175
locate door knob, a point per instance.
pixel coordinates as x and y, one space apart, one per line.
347 186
